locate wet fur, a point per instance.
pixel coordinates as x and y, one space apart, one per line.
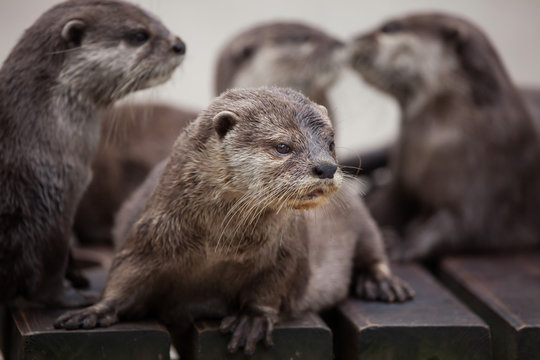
465 168
226 225
54 85
134 138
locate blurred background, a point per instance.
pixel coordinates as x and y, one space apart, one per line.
365 118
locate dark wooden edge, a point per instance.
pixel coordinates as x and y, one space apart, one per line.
504 337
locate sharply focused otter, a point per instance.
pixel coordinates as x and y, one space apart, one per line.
247 220
286 54
466 165
77 59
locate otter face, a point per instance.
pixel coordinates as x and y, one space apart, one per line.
403 58
286 55
116 48
279 150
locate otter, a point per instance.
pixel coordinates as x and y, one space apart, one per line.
465 168
281 53
286 54
531 96
72 63
250 219
134 138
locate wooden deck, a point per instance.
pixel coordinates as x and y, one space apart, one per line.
478 307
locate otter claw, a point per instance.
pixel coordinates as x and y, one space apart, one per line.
387 289
88 318
248 330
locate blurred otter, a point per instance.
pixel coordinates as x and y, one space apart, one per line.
76 60
285 54
532 100
134 138
249 219
465 170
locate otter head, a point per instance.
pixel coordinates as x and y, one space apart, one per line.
107 49
276 147
281 54
426 54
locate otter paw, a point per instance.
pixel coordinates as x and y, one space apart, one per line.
387 289
247 330
87 318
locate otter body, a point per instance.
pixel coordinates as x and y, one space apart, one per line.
465 167
286 54
77 59
134 138
236 223
283 53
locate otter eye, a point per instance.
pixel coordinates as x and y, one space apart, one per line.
391 27
138 38
283 149
332 147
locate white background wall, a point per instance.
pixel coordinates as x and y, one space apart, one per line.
205 25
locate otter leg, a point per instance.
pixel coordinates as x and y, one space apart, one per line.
248 328
375 280
379 284
126 291
53 290
426 238
75 275
261 300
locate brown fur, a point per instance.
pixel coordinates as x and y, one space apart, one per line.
77 58
285 54
532 100
134 138
465 168
117 168
232 227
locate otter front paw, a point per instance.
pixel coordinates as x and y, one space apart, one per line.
88 318
389 289
380 284
248 329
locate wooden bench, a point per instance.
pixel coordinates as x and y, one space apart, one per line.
503 290
433 326
307 338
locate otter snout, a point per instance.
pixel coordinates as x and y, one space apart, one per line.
361 50
325 171
179 47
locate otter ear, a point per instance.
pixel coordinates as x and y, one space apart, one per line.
73 31
323 109
243 53
224 121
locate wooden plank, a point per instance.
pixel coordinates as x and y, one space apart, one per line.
435 325
34 337
505 291
305 338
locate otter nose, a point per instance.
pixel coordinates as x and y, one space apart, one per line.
325 171
179 47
